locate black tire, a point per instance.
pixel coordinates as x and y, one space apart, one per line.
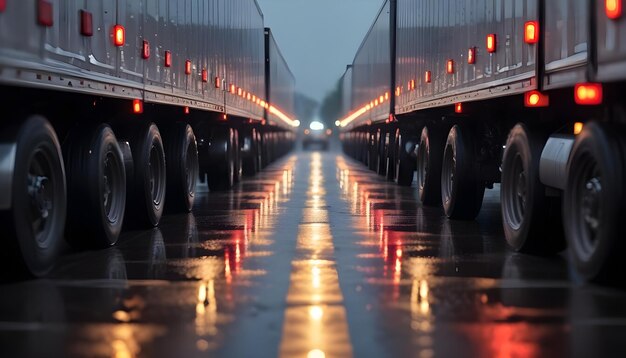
462 189
429 157
391 154
372 150
532 221
34 225
595 203
96 182
221 168
146 188
250 166
404 162
181 157
236 148
382 153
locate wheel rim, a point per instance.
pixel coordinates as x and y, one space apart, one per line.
587 197
112 201
157 175
515 188
40 186
422 164
191 169
448 174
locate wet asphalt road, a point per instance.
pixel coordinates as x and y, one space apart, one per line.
315 257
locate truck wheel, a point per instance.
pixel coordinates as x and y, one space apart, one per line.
237 156
594 207
221 170
249 164
531 220
34 226
429 156
404 163
372 154
382 153
146 188
462 189
96 182
181 157
391 154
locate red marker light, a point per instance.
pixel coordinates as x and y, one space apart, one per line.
471 55
613 9
427 77
458 107
536 99
119 35
588 94
205 76
86 23
168 59
186 110
531 32
3 5
450 66
218 82
45 14
188 67
137 106
145 53
491 43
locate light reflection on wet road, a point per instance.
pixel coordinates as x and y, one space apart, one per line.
315 257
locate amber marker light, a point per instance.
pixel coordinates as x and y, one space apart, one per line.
613 9
491 43
471 55
531 32
119 35
536 99
578 128
450 67
458 108
588 94
137 106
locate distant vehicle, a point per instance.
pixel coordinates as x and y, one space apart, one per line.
318 134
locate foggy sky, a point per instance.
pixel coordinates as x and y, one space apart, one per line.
319 37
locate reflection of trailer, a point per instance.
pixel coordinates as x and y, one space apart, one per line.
526 93
105 101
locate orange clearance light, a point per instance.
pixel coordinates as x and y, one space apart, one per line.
119 35
386 96
531 32
578 128
233 89
254 99
168 59
458 108
536 99
137 106
239 91
398 91
588 94
205 75
376 102
188 67
613 9
381 99
471 55
427 77
145 51
218 82
450 66
491 43
249 96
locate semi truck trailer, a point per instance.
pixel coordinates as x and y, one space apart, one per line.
462 95
113 110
